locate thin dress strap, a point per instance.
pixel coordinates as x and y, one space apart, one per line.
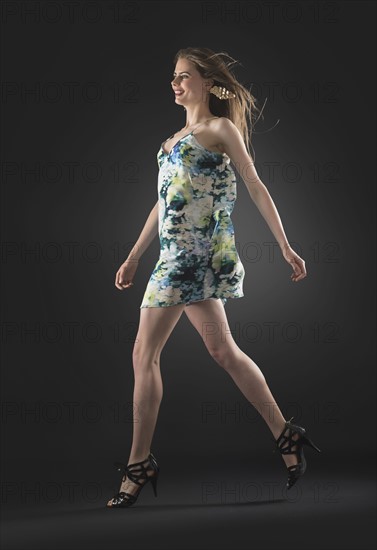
163 143
192 132
202 123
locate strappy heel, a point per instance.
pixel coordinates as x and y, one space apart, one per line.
285 444
136 472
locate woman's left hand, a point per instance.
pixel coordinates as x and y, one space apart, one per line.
297 263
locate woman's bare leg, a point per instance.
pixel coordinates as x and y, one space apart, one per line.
210 320
155 327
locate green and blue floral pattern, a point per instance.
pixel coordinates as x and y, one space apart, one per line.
198 256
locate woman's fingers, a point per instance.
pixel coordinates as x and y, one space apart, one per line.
122 286
119 283
122 277
298 265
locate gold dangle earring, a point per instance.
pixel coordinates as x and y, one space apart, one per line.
222 93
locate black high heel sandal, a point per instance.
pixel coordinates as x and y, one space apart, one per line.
285 443
136 472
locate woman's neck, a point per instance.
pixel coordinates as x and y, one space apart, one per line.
196 117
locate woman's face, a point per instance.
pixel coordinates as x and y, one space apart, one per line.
188 85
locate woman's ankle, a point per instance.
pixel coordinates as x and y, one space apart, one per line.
138 457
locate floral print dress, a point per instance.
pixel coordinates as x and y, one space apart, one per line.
198 257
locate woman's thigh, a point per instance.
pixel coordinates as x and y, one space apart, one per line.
155 326
210 320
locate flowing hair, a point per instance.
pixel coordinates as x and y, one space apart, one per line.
242 109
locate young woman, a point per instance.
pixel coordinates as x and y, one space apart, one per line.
199 268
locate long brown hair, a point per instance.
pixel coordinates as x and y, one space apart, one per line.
242 109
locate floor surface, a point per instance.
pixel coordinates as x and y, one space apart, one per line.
208 505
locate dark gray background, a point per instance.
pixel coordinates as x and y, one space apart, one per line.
67 385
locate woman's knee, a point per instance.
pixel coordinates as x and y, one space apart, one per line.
144 357
229 357
224 355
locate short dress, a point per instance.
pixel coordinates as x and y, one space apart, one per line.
198 257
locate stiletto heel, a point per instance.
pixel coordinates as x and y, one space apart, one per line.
285 443
310 443
154 484
136 472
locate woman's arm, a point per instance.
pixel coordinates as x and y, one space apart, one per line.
147 235
232 143
126 272
267 208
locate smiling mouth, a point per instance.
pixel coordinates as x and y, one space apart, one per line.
178 93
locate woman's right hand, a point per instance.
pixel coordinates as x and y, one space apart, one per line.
125 274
